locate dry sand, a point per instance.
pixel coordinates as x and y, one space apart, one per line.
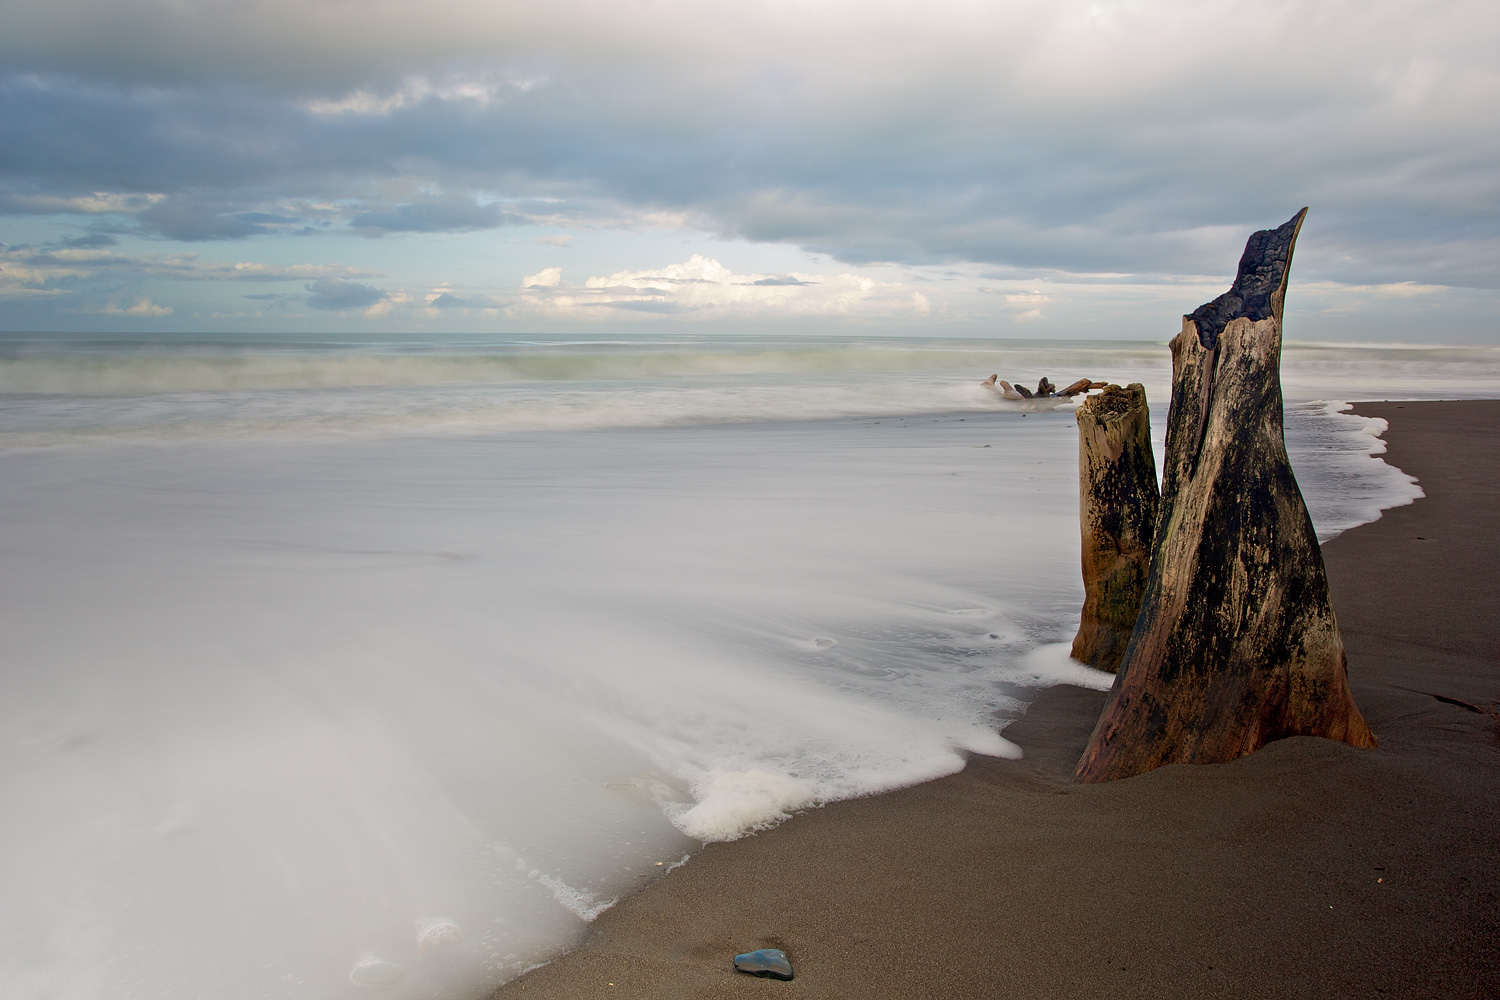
1308 869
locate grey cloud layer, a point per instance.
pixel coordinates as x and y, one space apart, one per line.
1065 137
338 294
436 215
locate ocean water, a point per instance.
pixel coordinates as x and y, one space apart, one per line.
381 667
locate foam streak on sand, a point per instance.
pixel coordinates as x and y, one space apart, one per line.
280 692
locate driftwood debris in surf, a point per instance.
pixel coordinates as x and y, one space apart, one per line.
1236 643
1044 389
1117 506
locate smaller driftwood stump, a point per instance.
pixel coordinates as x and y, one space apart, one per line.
1117 502
1236 644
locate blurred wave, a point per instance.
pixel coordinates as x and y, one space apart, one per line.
112 367
335 666
61 391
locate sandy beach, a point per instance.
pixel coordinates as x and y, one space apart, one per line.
1308 869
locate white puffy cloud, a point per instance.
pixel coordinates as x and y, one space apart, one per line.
142 308
443 297
414 89
703 288
1028 304
547 277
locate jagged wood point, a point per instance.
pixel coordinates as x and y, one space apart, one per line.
1236 643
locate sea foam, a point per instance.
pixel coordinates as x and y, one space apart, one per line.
1336 457
295 662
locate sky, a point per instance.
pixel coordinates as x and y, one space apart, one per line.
1011 169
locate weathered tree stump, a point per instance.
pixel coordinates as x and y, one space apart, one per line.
1236 644
1117 503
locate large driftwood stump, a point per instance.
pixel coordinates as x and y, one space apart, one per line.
1117 502
1236 644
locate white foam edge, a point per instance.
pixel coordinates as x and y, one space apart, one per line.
1401 488
582 904
1052 664
733 803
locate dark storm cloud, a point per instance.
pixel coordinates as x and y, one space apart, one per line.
338 294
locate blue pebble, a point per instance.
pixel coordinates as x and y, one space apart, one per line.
771 963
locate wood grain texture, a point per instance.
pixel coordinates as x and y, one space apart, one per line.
1117 507
1236 644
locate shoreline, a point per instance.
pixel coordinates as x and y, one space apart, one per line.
1306 869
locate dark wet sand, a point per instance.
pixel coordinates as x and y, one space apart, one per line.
1308 869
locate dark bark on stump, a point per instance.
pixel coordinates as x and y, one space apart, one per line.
1236 644
1117 503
